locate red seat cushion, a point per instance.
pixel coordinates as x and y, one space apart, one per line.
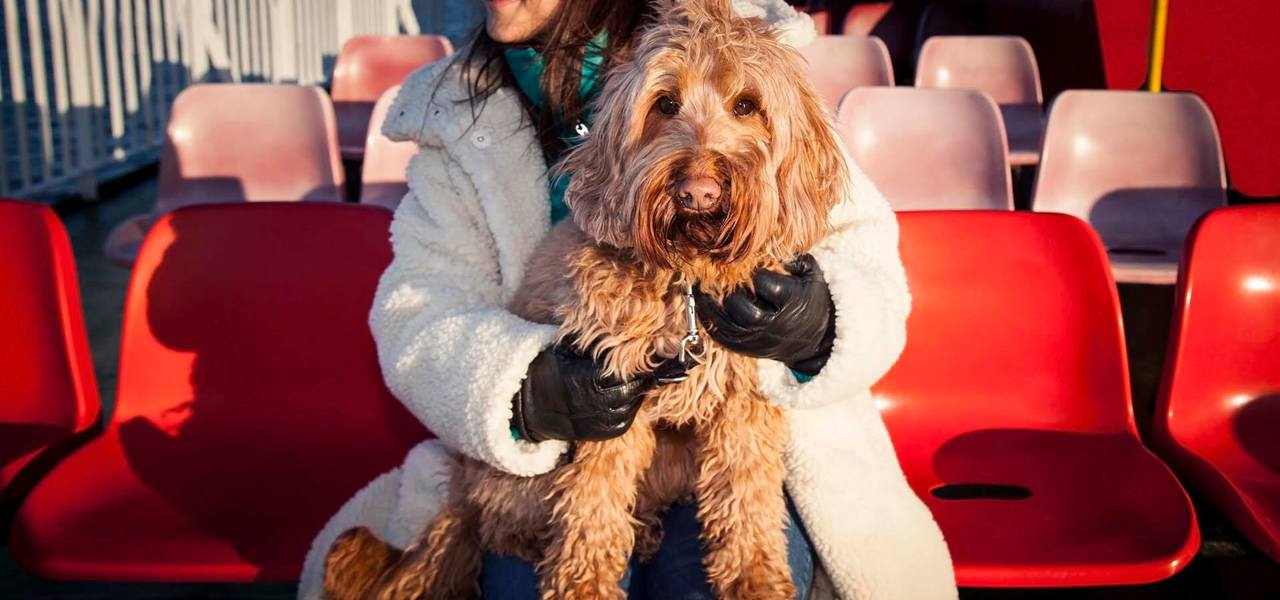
1080 509
251 403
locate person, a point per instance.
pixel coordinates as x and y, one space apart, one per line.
490 122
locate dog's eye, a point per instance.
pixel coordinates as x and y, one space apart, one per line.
744 107
668 106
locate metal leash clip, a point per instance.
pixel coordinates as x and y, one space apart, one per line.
690 344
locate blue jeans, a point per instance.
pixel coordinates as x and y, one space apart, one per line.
675 572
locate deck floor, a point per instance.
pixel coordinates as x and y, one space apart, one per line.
1227 567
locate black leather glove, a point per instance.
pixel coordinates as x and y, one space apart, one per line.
790 317
564 396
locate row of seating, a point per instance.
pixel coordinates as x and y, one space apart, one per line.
295 155
1002 66
1214 53
301 135
1139 167
250 403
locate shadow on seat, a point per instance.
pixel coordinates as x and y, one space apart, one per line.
250 406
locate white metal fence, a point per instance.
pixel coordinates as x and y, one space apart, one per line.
85 85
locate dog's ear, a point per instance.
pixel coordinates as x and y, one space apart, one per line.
598 192
812 174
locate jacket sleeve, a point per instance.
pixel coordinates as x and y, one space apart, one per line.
869 288
449 349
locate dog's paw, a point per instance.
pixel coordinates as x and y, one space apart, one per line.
648 538
760 582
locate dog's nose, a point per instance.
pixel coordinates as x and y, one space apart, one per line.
699 193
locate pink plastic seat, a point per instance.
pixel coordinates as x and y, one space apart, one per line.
839 63
864 16
240 142
366 67
1139 167
929 149
1009 408
250 406
383 177
1002 66
1219 409
47 387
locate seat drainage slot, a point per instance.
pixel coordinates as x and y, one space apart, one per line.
980 491
1136 251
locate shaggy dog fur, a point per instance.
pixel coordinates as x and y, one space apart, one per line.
744 115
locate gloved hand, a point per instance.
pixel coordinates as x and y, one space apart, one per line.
564 396
790 317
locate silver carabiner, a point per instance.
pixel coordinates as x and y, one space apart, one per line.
691 340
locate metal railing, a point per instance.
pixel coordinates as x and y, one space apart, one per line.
85 85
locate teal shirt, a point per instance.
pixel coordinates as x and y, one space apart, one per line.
526 65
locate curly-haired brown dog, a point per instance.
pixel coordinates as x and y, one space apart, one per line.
711 157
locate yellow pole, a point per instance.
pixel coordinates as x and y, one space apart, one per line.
1155 64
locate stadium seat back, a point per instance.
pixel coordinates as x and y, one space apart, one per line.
1002 66
863 17
929 149
230 142
251 404
839 63
1226 338
383 173
368 65
1139 167
251 142
1219 409
365 68
47 385
1007 306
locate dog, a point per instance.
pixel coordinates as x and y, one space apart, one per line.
711 156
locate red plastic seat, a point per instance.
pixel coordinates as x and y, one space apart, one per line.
240 142
864 16
366 67
383 173
1229 58
1139 167
839 63
1009 408
250 406
1002 66
929 149
47 387
1219 408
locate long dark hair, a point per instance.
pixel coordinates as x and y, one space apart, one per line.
562 42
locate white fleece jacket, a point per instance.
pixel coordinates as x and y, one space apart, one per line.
477 207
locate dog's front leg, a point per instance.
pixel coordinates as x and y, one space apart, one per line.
740 499
593 528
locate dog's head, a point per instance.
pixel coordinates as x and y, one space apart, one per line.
710 152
